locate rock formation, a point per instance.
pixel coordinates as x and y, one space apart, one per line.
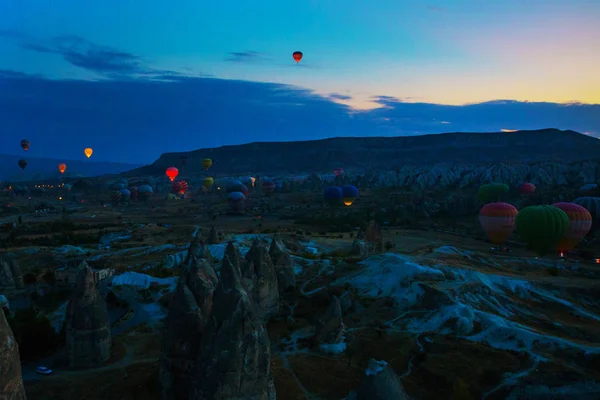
330 327
381 383
15 270
260 279
374 237
7 282
199 250
359 248
87 327
213 236
188 315
234 362
11 381
286 279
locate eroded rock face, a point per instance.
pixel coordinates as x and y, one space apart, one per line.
234 362
15 271
260 279
188 314
374 237
11 381
213 236
88 335
7 282
359 248
330 327
381 383
199 250
286 279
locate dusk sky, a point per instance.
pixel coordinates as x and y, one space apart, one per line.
137 78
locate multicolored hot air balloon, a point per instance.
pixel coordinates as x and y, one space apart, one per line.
350 193
592 204
527 188
172 173
62 168
580 223
498 221
206 163
22 163
333 195
297 55
491 192
179 187
268 187
338 171
542 227
25 144
208 182
236 201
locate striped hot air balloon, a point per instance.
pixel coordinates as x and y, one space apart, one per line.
498 221
580 223
268 187
179 187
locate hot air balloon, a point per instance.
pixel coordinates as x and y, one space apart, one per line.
527 188
62 168
208 182
145 192
125 194
172 173
236 186
297 56
338 171
333 195
592 204
115 196
580 223
25 144
350 193
542 227
236 201
498 221
22 163
179 187
588 187
206 163
267 187
491 192
88 152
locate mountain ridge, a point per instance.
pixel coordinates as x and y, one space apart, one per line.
359 154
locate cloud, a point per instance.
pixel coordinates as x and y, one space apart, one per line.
79 52
338 96
247 56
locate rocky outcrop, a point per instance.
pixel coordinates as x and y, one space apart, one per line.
213 236
188 314
199 250
381 383
88 335
15 271
330 327
11 381
7 282
282 262
234 362
374 237
359 249
260 279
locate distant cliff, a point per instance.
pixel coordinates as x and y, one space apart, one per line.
370 154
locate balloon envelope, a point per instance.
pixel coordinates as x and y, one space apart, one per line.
268 187
207 163
542 227
22 163
172 173
491 192
498 221
62 168
297 55
208 182
527 188
179 187
580 223
338 171
592 204
88 152
333 194
25 144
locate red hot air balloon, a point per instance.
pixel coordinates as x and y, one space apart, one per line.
172 173
297 56
338 171
498 221
580 223
179 187
527 188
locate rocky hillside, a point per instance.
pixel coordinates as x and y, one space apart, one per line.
386 153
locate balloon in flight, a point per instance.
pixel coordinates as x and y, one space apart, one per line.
498 221
206 163
62 168
268 187
350 193
22 163
179 187
527 188
297 55
88 152
25 144
208 182
542 227
172 173
580 223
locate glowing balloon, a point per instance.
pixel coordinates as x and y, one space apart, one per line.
88 152
350 193
498 221
580 223
179 187
297 56
172 173
62 168
25 144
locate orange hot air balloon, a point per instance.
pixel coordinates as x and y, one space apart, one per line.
498 221
88 152
297 56
580 223
62 168
172 173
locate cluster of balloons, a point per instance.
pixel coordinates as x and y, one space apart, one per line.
545 228
121 193
62 167
335 195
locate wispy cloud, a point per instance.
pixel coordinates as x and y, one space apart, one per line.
338 96
247 56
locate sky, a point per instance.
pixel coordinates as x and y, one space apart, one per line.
133 79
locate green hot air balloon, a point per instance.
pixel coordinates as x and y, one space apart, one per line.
491 192
542 227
